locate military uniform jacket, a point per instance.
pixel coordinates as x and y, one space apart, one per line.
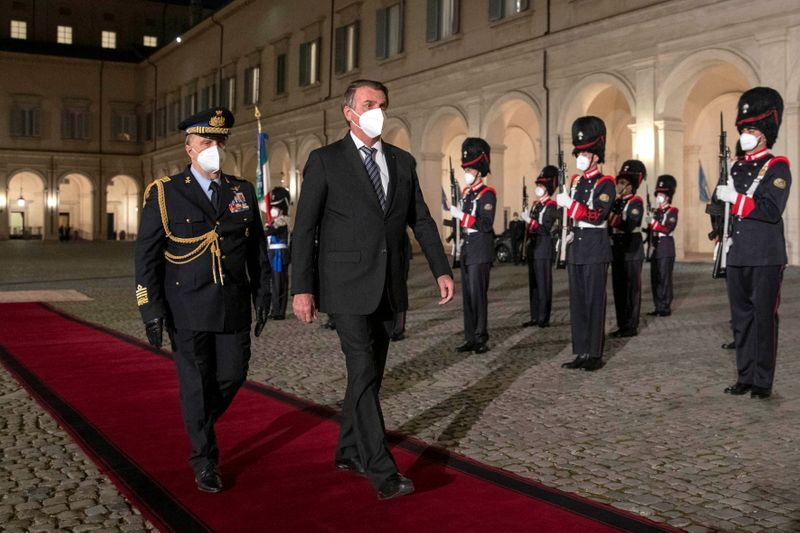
592 197
665 220
624 223
206 280
362 251
540 241
277 236
477 225
757 217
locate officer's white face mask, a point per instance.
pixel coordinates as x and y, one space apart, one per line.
469 178
274 212
748 141
661 199
540 191
583 163
371 122
211 158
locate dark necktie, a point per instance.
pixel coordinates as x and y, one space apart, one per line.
374 174
214 186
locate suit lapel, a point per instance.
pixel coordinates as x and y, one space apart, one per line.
391 164
226 195
359 171
199 195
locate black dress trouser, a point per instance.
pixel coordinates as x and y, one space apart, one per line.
587 308
626 278
211 368
280 292
754 293
661 283
540 289
362 435
474 289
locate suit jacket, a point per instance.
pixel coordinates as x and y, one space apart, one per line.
361 249
186 293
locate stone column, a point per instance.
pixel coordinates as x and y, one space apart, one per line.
790 131
99 195
429 170
496 181
670 160
4 200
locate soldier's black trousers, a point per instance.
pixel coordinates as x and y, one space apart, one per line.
661 283
280 292
362 435
754 294
474 288
211 368
626 278
540 289
587 307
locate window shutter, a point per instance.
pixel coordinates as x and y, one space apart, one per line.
66 129
523 5
400 21
304 64
495 9
432 30
381 34
36 121
341 50
356 43
456 25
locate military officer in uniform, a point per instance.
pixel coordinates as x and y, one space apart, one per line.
757 255
662 226
539 252
277 232
476 219
626 248
200 265
588 248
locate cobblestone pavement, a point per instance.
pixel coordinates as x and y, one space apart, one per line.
651 432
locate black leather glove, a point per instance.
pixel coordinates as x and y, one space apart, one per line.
261 320
154 329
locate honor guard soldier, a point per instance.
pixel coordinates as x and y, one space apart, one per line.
757 255
627 251
665 219
201 262
277 232
476 216
588 248
540 252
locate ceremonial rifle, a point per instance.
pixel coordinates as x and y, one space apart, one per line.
721 248
455 199
561 241
524 210
648 233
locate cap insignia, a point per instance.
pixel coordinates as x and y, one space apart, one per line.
580 135
745 108
465 154
218 120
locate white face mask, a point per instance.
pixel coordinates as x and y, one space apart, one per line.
371 122
583 163
274 212
211 158
661 199
540 191
748 141
469 178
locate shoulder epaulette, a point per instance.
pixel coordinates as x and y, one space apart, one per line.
778 159
161 180
485 190
606 178
635 198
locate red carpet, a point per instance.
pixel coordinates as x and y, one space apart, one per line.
118 399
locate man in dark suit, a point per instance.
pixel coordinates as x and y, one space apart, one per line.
362 193
200 262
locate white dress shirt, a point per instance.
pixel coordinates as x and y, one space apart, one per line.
380 159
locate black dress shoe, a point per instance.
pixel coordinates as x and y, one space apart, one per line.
737 389
481 348
529 323
577 362
622 333
760 392
466 347
664 313
350 465
398 337
729 345
653 313
544 325
396 485
279 317
593 363
208 479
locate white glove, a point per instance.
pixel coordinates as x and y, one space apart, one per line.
727 193
456 212
563 199
526 217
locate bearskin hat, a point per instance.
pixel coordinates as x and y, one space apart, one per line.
666 184
476 153
279 197
760 108
548 178
634 172
589 135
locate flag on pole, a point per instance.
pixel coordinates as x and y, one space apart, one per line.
262 173
702 185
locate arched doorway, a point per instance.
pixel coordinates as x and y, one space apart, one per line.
122 208
26 206
75 206
512 130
